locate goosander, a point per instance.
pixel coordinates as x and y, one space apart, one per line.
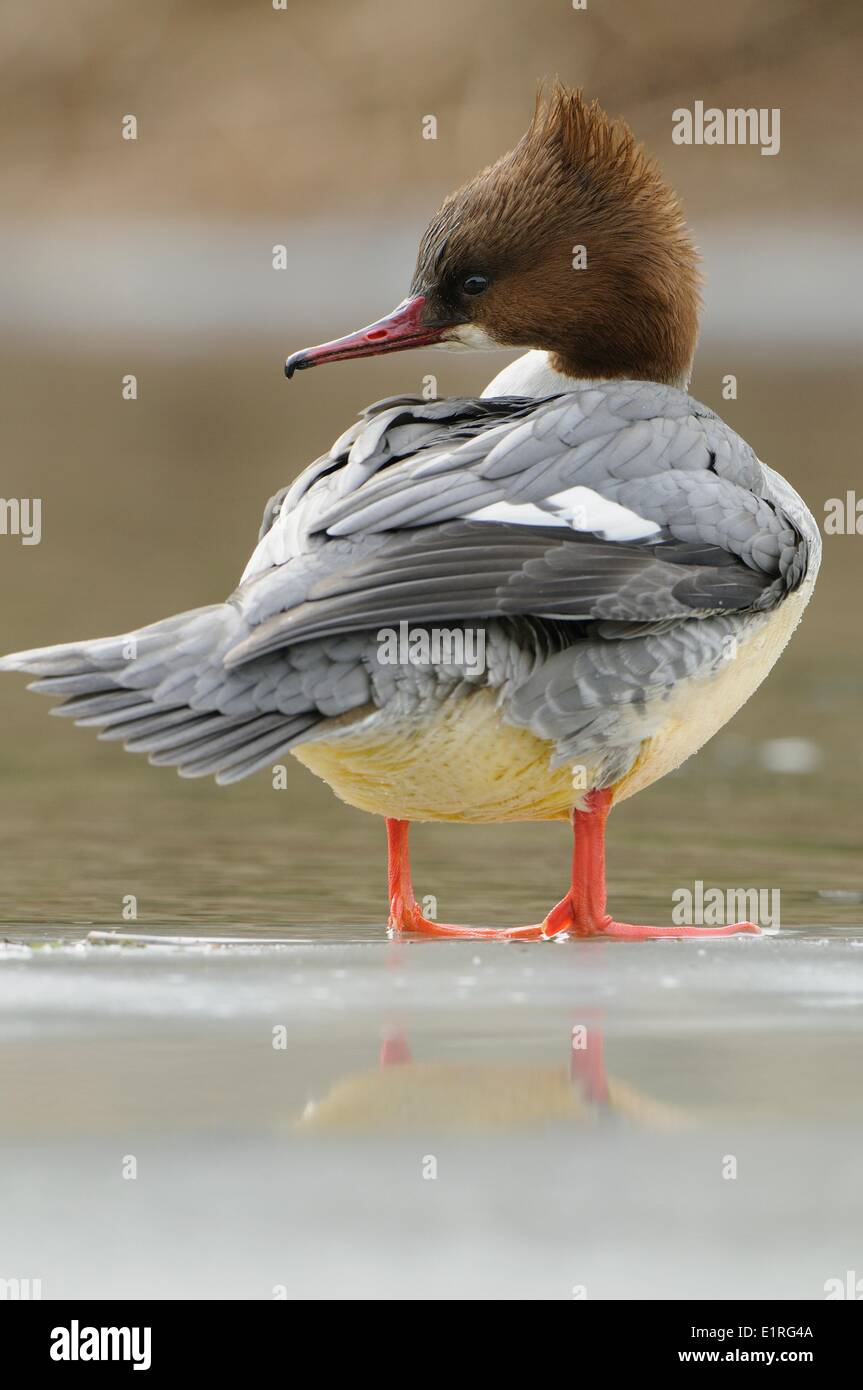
633 570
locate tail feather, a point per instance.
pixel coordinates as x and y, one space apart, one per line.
218 744
101 707
164 691
82 683
108 654
254 756
170 729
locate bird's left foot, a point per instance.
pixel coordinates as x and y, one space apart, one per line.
565 919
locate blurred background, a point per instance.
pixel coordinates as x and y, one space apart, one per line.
303 127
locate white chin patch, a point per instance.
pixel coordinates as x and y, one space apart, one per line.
579 508
468 335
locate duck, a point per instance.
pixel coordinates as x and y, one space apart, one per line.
586 571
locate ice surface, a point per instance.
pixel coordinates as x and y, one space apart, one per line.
307 1167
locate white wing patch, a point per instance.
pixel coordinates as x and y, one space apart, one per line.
520 513
586 510
580 508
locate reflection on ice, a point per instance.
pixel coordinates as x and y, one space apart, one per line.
405 1094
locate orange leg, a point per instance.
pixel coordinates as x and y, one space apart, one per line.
581 913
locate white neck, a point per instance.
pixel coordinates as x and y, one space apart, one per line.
531 375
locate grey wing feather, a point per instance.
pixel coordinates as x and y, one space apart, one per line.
469 571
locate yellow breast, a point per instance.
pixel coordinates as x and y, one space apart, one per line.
464 762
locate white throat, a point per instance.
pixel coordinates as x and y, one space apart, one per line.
531 375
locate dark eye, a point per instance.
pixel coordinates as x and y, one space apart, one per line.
475 284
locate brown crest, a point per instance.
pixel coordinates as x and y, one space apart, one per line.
627 305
